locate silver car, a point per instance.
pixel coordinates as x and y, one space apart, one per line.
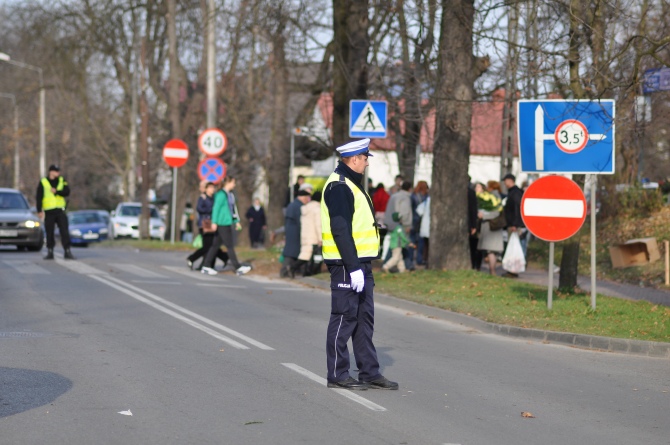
18 225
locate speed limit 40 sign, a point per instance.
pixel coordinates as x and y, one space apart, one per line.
566 136
212 142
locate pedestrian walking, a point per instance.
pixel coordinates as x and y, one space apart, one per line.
419 195
226 222
292 231
424 227
257 223
350 243
50 201
513 213
205 229
310 237
399 241
490 239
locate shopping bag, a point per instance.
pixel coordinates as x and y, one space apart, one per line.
513 260
197 241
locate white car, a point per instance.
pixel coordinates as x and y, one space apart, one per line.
126 221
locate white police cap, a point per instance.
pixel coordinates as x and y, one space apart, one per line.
355 148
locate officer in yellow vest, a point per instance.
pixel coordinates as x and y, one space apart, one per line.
350 243
51 194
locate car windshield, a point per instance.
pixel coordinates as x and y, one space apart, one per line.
136 210
85 218
12 201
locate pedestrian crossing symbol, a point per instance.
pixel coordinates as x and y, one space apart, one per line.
368 118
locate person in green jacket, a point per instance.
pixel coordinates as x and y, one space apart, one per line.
225 219
399 241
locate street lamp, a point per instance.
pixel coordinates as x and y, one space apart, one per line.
16 138
5 58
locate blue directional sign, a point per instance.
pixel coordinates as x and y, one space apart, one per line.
566 136
368 118
212 170
655 80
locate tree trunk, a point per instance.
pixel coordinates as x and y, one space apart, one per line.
350 70
451 149
279 157
570 259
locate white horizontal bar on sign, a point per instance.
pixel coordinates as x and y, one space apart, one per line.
554 208
175 153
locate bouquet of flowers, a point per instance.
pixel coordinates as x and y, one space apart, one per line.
488 201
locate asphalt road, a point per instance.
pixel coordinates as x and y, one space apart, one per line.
240 360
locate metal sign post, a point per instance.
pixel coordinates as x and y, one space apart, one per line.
594 181
175 175
572 137
550 288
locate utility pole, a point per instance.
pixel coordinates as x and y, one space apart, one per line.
509 112
144 147
17 167
211 64
6 58
174 105
132 142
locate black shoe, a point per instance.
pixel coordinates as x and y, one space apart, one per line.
68 255
50 254
350 383
382 383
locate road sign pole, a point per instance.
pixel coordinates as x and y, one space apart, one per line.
175 175
594 179
550 288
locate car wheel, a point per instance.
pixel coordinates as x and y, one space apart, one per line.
37 247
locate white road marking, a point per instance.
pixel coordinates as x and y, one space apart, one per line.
344 392
230 286
169 283
205 329
555 208
79 267
194 315
26 267
137 270
131 291
192 274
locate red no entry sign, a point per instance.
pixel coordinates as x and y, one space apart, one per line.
175 152
553 208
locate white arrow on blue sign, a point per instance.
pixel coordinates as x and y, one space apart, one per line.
368 118
566 136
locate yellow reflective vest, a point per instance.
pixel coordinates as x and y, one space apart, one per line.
363 227
50 200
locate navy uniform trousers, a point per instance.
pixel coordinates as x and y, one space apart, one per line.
352 315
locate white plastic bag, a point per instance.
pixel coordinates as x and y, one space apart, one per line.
514 261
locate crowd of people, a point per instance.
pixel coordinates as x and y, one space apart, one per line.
402 213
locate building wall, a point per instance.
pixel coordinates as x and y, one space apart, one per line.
384 167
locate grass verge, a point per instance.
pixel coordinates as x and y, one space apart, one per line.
610 232
516 303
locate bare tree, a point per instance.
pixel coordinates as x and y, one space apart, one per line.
457 70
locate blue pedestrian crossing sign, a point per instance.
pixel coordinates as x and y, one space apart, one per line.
566 136
368 118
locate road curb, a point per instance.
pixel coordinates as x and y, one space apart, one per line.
582 341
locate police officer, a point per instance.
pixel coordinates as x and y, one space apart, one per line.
350 243
51 194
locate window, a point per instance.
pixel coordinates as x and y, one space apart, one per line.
12 201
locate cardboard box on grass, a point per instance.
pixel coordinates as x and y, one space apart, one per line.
635 252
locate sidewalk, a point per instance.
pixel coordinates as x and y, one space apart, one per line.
604 287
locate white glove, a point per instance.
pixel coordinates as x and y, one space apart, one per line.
357 280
